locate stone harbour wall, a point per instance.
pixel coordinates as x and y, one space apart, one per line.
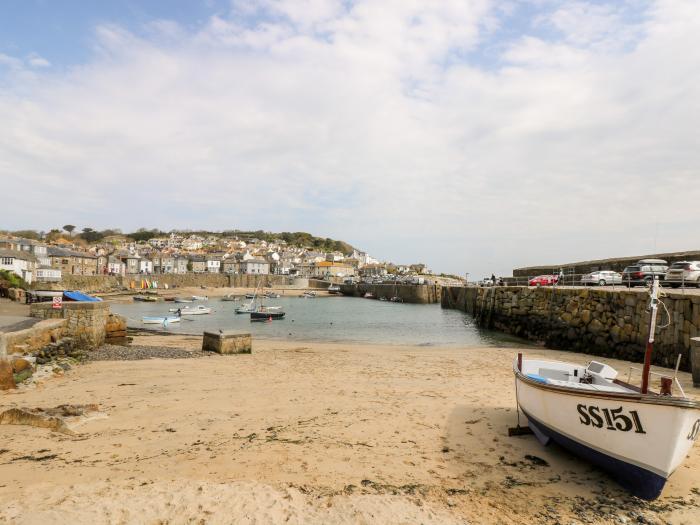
32 339
85 322
611 323
409 293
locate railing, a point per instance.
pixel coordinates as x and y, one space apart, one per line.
574 280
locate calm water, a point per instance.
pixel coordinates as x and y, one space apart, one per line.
332 319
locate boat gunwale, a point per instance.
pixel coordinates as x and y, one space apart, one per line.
651 399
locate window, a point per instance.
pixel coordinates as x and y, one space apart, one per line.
7 260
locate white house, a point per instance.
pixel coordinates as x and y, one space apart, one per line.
20 263
255 266
213 264
145 266
115 266
46 274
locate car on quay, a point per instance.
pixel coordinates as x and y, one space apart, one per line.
601 278
544 280
683 273
642 273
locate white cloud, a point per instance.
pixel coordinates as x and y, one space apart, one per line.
355 122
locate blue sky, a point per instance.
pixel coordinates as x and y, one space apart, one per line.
474 135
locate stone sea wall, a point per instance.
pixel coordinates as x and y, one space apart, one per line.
409 293
611 323
85 322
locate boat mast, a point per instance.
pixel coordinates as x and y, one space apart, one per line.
653 306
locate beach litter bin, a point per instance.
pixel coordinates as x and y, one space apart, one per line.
227 342
695 359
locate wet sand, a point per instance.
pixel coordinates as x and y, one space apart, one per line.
309 433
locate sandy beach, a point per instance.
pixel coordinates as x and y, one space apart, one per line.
308 433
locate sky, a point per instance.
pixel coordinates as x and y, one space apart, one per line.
472 135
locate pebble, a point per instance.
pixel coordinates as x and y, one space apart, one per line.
135 353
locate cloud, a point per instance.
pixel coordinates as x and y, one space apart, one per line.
369 122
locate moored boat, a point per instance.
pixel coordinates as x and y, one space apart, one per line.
334 289
160 319
309 295
189 310
146 298
266 314
637 435
180 300
200 298
230 297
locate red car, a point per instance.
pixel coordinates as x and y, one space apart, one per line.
543 280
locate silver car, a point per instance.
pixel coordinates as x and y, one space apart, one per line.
683 273
601 278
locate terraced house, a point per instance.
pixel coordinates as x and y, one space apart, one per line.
71 262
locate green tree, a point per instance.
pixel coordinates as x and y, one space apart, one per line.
91 235
69 228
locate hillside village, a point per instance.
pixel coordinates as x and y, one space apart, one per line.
49 259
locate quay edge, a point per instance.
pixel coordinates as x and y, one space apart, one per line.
605 322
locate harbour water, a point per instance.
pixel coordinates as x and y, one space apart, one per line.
333 319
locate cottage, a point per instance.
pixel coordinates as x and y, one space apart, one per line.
199 263
255 266
19 262
213 263
71 262
325 269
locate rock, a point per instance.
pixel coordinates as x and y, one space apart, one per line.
595 326
7 380
585 316
18 365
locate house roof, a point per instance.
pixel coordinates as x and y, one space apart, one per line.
16 254
54 251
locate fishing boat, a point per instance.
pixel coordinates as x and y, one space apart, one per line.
145 298
382 298
230 297
272 295
188 310
180 300
200 298
334 289
368 295
250 295
637 435
309 295
396 299
266 314
160 320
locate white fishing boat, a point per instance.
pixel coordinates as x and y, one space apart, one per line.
200 298
637 435
197 310
160 319
179 300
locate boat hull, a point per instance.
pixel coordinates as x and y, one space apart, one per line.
160 320
639 441
266 315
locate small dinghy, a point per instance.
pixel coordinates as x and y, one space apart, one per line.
640 437
179 300
160 320
333 289
230 297
200 298
309 295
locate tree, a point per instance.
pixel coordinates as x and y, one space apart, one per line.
69 228
91 235
189 266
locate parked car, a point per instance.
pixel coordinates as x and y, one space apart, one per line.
683 273
644 271
601 278
544 280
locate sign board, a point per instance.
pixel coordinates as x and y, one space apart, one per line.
57 303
